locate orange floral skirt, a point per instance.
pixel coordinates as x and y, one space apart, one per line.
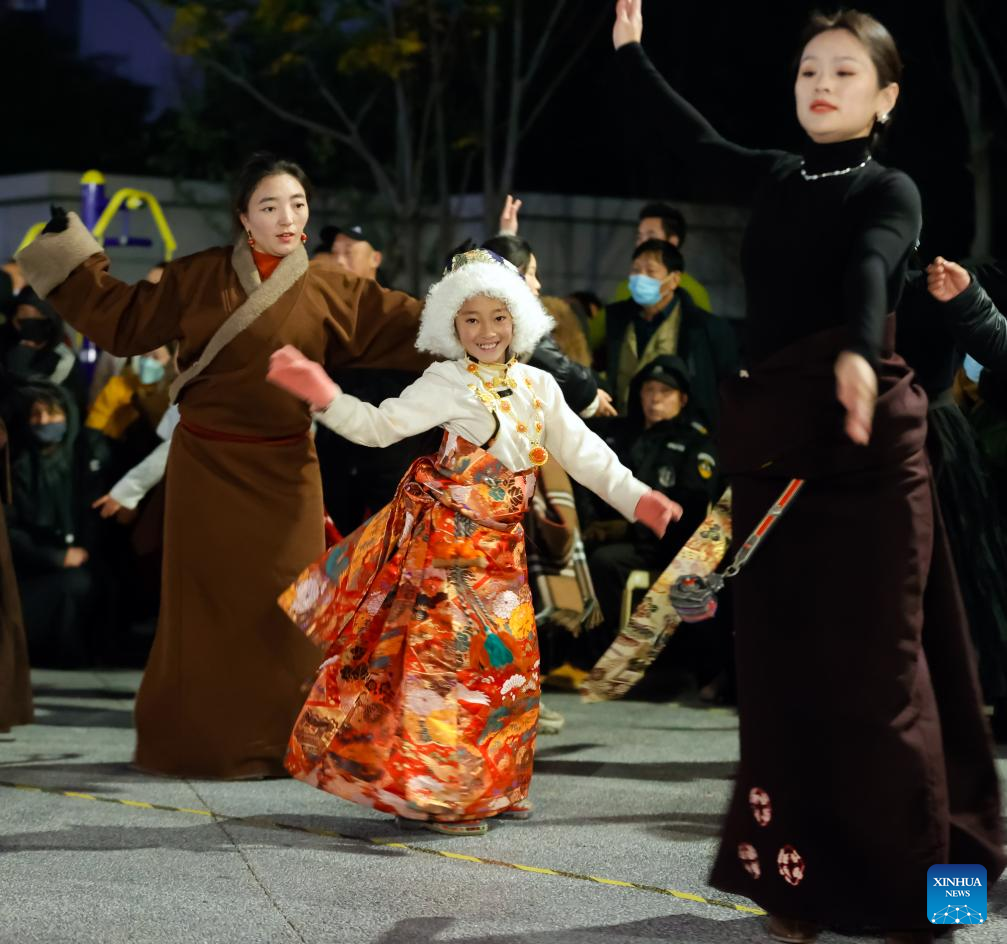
427 701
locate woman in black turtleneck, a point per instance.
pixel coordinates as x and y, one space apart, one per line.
864 753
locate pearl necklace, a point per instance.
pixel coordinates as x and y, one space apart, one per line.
835 173
486 392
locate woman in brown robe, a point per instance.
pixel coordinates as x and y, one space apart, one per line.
15 683
244 515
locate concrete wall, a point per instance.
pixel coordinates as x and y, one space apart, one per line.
580 242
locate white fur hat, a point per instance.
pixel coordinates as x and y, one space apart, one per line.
480 272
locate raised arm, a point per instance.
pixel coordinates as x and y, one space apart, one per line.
428 402
69 269
734 170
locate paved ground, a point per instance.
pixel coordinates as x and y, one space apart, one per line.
629 793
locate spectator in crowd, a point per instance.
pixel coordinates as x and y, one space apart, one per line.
131 404
358 251
353 248
664 222
667 448
662 319
36 347
54 535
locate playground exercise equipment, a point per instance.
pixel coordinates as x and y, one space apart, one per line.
97 213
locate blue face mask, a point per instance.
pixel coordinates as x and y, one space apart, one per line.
149 371
50 433
645 290
972 368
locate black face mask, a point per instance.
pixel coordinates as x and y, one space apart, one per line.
35 329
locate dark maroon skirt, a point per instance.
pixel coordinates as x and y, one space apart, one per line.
865 756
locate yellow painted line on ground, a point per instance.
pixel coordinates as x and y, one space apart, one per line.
388 844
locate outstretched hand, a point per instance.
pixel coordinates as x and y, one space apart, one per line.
628 23
857 391
508 216
290 370
946 280
657 511
58 220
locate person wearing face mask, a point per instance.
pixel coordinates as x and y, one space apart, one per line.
139 392
667 223
660 319
863 746
54 537
35 346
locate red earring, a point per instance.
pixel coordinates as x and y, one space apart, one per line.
304 237
251 239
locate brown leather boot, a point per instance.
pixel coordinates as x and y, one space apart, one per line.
791 930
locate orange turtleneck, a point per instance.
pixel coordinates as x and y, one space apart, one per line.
265 263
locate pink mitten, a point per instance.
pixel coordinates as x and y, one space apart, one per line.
657 511
291 370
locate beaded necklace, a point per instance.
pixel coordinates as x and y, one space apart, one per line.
835 173
496 378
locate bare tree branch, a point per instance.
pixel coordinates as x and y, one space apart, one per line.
353 138
544 38
543 100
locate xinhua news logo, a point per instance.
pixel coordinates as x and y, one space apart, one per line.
956 894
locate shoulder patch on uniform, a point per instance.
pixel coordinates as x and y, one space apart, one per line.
706 464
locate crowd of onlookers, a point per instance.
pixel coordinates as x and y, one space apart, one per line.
88 435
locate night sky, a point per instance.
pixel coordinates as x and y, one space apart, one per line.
732 60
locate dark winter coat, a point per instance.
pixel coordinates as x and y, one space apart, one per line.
705 342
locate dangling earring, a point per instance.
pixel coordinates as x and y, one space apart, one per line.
883 119
251 239
304 237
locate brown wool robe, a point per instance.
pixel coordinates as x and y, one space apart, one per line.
15 681
865 756
228 670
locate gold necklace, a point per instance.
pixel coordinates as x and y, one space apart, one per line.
486 393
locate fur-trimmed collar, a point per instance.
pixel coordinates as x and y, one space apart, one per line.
290 269
261 296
